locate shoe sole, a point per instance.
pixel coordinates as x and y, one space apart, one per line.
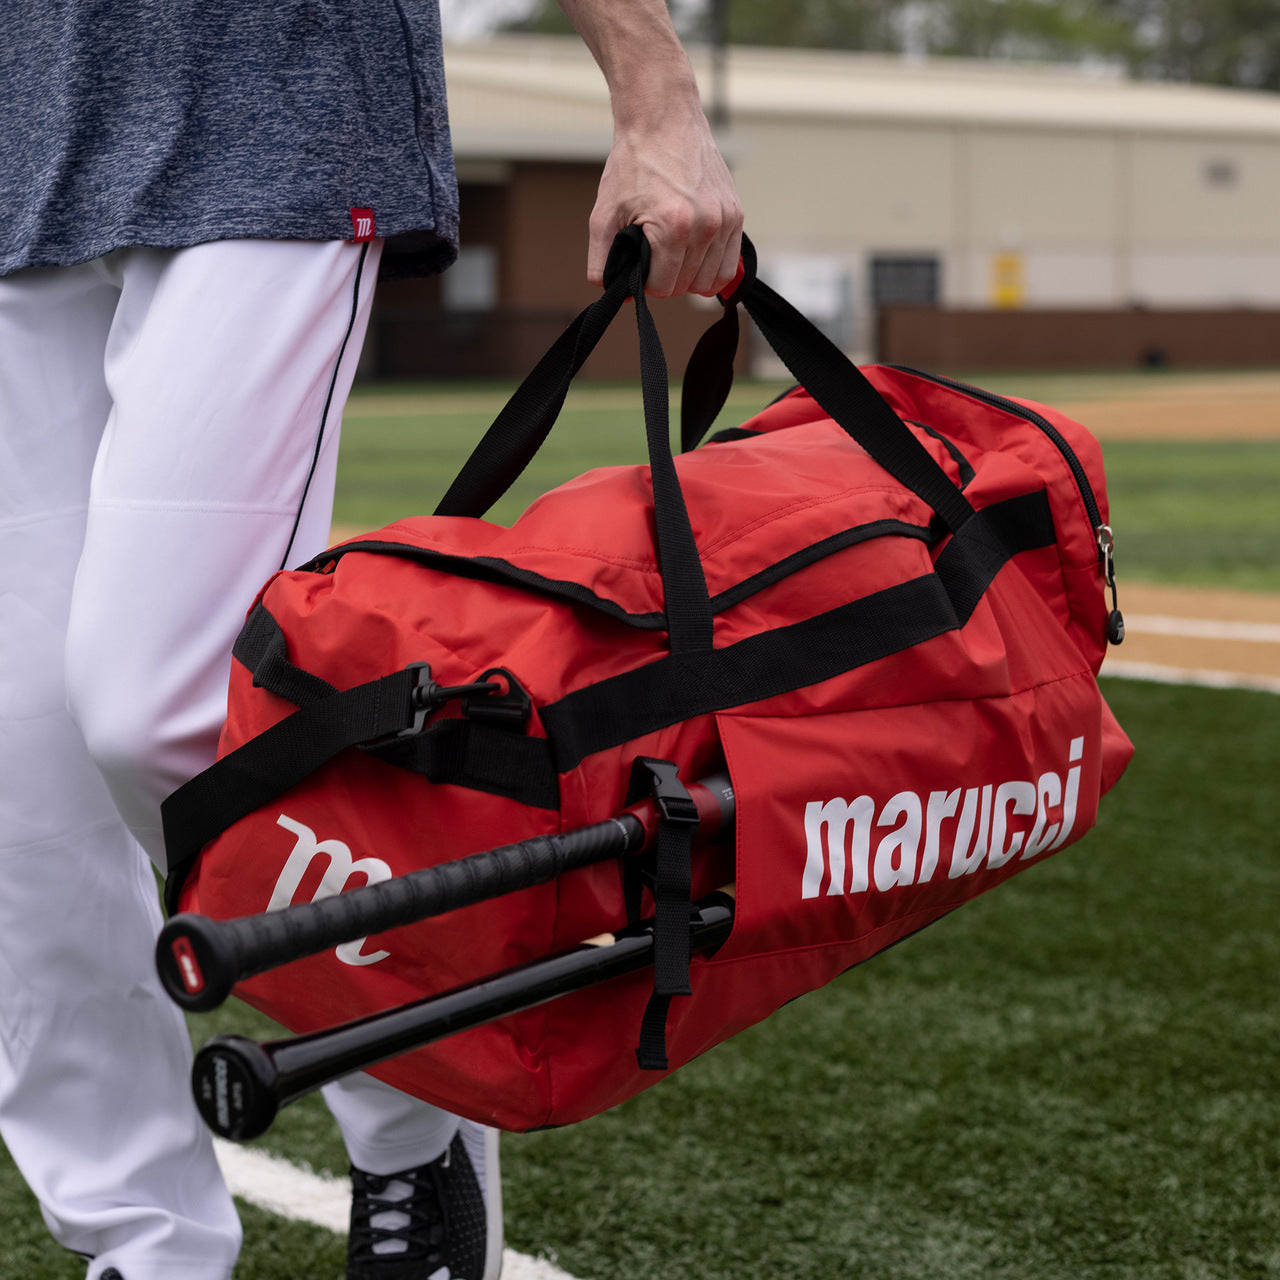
481 1143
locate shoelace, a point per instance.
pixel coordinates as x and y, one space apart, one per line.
427 1227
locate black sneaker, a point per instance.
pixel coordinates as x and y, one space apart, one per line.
440 1221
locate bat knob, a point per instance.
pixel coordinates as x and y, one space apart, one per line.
195 961
233 1082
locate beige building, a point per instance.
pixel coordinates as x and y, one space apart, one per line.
872 181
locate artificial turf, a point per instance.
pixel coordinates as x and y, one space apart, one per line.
1074 1077
1191 512
1197 512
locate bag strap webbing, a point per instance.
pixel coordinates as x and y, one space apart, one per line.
273 761
598 716
671 942
525 421
672 896
684 585
499 762
453 750
844 392
261 648
708 378
645 699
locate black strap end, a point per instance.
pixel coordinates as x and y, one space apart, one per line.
651 1052
629 247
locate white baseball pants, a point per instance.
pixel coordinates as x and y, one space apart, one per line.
168 439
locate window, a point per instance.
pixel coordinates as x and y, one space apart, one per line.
912 281
1221 172
471 284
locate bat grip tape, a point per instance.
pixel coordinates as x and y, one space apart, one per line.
200 959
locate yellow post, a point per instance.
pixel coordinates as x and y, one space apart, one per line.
1008 280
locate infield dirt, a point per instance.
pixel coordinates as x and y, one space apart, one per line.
1193 628
1246 407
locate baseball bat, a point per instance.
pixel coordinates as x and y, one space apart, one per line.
240 1084
200 959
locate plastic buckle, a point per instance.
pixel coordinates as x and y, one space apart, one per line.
421 700
426 697
660 779
422 703
510 710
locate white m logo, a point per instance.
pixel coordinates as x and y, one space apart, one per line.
342 866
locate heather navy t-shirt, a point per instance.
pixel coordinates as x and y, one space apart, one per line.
174 122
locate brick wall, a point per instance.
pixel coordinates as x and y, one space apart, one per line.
936 338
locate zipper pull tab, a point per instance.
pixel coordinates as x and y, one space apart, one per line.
1107 547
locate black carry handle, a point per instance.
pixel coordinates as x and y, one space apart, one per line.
833 380
240 1085
827 374
519 430
200 960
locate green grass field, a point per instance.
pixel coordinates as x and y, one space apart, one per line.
1184 511
402 445
1075 1077
1197 513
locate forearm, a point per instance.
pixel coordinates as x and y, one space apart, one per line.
664 172
636 47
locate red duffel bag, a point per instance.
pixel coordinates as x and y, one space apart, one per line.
880 603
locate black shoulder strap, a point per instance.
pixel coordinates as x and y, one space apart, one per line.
268 765
380 715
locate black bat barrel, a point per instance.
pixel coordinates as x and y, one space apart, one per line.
240 1085
200 959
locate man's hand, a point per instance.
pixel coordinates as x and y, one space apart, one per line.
665 172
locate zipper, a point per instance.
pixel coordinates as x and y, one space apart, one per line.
1102 533
1012 406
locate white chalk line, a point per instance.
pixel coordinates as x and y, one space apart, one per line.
1189 675
1195 629
283 1188
1160 624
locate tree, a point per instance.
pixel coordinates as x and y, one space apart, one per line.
1234 42
1229 42
869 25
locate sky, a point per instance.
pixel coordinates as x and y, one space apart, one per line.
475 19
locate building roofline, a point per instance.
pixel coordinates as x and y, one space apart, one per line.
564 100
